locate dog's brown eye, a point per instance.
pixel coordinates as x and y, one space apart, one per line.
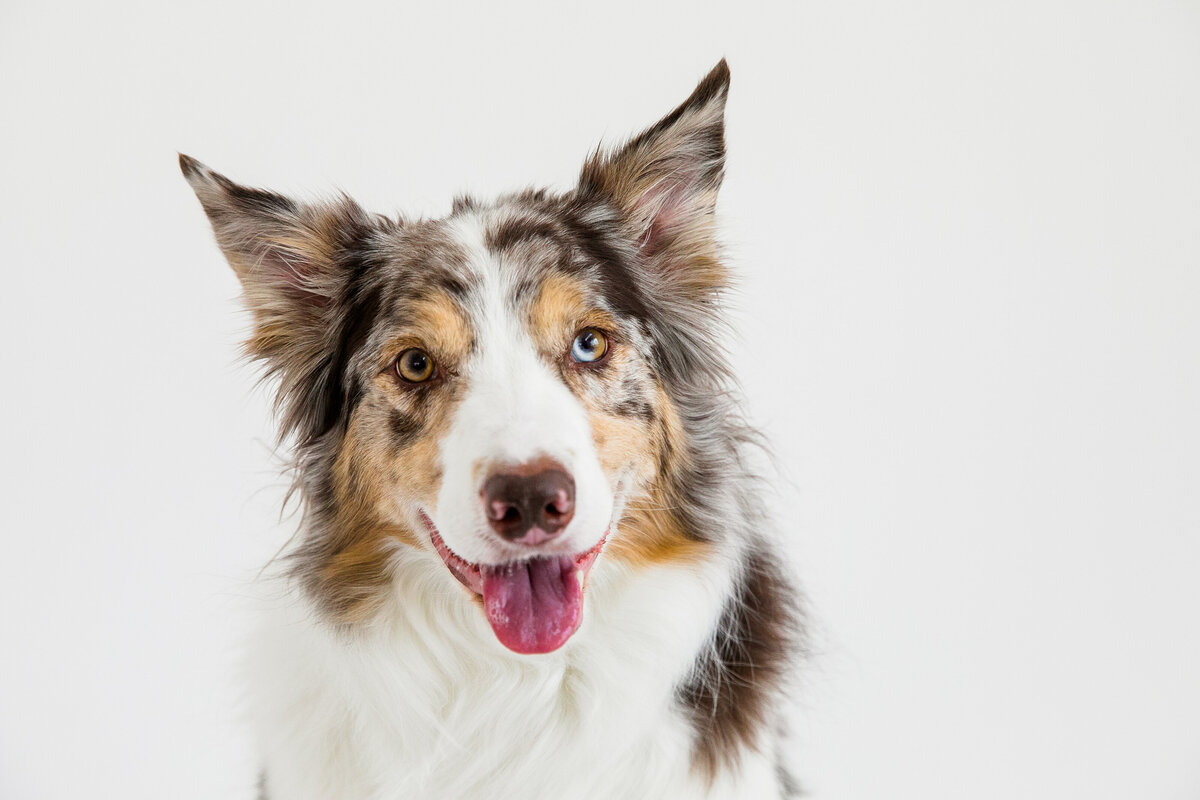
414 365
590 345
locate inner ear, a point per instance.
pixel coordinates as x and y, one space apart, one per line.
662 211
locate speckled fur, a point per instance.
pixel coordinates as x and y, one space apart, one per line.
375 675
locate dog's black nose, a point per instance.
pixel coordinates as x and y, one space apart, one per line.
529 504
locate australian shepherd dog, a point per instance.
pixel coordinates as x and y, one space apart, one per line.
533 560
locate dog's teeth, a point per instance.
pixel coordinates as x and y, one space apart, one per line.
579 576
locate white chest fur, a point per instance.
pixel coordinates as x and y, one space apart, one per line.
424 703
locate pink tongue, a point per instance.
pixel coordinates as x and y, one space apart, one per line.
533 605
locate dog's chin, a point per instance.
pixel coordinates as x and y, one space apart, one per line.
534 604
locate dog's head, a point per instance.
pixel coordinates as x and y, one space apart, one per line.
497 388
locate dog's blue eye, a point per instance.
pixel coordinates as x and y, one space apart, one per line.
590 345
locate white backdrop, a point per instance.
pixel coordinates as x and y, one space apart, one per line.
970 241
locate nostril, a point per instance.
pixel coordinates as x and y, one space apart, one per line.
559 505
502 511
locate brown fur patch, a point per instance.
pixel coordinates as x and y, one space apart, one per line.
651 532
437 324
651 535
351 574
376 471
559 307
353 581
622 442
733 684
512 232
417 473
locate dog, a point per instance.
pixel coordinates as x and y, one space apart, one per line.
533 560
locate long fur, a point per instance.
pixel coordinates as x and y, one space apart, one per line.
375 673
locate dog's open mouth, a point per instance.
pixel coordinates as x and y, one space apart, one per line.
533 605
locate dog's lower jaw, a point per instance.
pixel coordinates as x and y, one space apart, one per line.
424 702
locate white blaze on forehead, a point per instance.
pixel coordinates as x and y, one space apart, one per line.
515 409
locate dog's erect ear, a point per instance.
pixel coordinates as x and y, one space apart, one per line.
296 262
275 244
665 180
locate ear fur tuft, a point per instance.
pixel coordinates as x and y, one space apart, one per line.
297 263
664 182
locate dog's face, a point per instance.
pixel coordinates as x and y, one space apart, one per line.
508 408
495 387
